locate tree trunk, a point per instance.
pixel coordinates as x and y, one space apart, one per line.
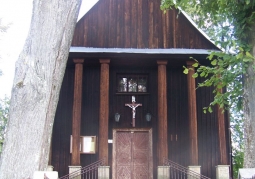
249 115
35 93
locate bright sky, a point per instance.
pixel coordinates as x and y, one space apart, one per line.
17 13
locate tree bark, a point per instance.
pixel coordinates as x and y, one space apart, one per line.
249 114
38 77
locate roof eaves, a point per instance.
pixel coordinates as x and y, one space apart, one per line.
141 51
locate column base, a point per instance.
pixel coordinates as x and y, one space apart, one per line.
44 174
222 172
74 169
50 168
246 172
196 169
163 172
103 172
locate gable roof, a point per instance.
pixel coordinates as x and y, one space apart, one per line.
137 24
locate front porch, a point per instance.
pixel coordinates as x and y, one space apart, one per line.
170 170
178 124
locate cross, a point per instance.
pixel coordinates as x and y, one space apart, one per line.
133 105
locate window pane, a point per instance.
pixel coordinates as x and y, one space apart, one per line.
142 83
132 85
122 87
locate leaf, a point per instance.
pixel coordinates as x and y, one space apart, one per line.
195 75
210 109
202 74
210 56
214 62
186 71
195 65
239 55
246 59
249 55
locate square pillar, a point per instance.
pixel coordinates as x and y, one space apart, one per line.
222 172
45 174
192 169
50 168
163 172
246 173
103 172
73 169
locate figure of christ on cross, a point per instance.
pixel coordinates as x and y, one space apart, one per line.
133 106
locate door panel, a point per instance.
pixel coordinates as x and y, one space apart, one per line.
124 161
132 155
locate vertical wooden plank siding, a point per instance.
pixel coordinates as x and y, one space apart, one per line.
151 44
76 120
174 29
136 24
139 24
164 30
162 112
133 19
104 110
222 136
192 116
168 42
127 24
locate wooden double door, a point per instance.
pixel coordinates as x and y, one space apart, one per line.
132 154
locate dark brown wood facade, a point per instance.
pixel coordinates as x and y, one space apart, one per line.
138 24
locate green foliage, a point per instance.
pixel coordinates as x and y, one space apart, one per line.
4 114
238 158
237 142
231 25
226 71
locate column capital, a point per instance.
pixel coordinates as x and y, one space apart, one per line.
79 61
104 60
162 62
190 63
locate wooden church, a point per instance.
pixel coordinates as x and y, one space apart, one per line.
125 98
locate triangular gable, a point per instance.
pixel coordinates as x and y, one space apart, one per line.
137 24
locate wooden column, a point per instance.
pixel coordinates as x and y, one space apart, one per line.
77 102
222 136
162 113
104 110
192 110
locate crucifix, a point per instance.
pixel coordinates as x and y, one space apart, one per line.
133 105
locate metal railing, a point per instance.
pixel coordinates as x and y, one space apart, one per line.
87 172
177 171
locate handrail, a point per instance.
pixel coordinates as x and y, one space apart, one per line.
184 170
84 170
